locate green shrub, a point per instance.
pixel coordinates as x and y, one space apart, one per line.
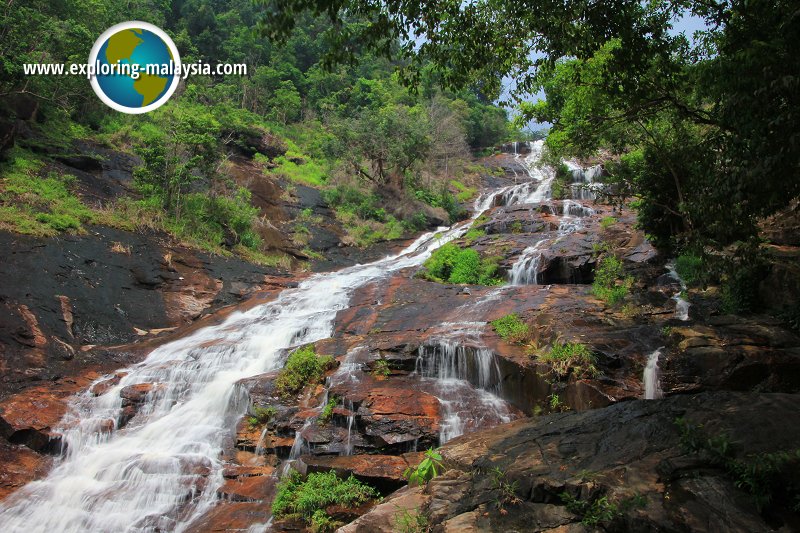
39 205
327 412
406 521
430 467
607 222
691 269
261 416
473 234
303 366
464 193
299 169
452 264
740 290
322 523
570 357
512 329
610 284
381 368
307 499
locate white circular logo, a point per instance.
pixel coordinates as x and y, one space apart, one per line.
136 67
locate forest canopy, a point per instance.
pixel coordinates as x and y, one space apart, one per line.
703 129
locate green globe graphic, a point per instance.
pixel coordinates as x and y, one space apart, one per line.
138 47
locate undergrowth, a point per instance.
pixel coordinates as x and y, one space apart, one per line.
303 366
307 499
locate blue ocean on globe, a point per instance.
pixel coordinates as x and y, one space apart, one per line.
119 88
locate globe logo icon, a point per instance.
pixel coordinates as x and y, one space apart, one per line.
136 67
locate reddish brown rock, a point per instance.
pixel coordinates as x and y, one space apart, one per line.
384 472
22 466
252 488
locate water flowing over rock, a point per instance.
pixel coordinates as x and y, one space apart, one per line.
168 454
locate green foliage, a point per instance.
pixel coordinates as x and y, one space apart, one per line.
464 193
610 283
443 199
452 264
38 204
355 201
740 288
691 269
302 367
556 404
601 510
512 329
516 226
430 467
607 222
763 475
506 491
407 521
381 368
570 357
473 234
322 523
327 412
299 169
304 499
261 416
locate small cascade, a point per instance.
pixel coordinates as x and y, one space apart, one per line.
681 304
652 385
584 184
466 379
526 270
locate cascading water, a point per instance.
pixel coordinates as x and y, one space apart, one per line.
163 469
652 385
526 269
584 180
681 304
455 363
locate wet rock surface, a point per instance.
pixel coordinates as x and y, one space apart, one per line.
629 450
418 365
60 297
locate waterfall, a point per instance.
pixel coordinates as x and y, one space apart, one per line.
162 469
652 386
681 304
525 271
453 364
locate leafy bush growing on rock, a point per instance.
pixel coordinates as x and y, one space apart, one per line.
327 411
429 468
452 264
566 357
690 268
381 368
512 329
610 283
304 366
307 499
261 416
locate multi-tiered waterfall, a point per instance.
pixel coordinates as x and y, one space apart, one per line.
525 270
163 468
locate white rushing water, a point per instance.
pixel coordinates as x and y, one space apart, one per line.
162 470
681 304
525 271
651 377
464 375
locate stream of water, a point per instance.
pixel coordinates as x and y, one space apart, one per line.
162 470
